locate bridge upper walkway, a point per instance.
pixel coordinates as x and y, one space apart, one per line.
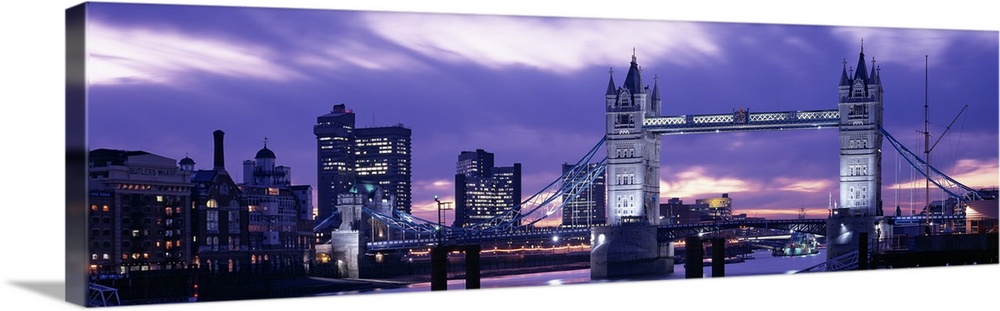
742 121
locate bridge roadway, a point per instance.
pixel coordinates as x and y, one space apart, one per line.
664 233
676 232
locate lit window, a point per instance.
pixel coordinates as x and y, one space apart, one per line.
213 221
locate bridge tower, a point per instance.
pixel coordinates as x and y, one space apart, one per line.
861 111
628 245
633 174
860 139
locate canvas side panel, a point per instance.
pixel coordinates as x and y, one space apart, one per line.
76 156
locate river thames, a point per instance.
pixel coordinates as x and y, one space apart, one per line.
762 263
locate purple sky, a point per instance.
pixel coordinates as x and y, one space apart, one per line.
530 90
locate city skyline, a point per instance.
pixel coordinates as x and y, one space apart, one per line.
268 74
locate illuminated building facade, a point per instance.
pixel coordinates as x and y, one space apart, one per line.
347 155
710 209
587 209
220 218
675 212
720 208
280 229
482 190
138 216
382 157
335 159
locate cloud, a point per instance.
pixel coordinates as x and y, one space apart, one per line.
433 186
908 46
142 55
974 173
797 185
562 45
347 55
695 183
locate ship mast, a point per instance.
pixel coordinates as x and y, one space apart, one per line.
927 156
927 151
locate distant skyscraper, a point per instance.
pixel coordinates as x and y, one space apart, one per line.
335 158
382 157
587 208
483 191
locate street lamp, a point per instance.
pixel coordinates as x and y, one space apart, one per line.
440 206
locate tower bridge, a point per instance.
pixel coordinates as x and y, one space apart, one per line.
634 128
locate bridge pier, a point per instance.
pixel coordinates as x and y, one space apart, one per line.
846 233
693 258
346 250
439 266
718 257
628 250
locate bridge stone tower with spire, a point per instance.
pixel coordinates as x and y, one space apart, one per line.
859 215
633 154
860 139
629 245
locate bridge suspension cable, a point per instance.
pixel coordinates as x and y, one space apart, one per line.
949 185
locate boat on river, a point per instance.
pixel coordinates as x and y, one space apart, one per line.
798 244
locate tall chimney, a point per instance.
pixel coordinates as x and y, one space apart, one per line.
220 158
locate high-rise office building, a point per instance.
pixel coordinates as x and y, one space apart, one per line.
588 208
335 159
483 191
347 155
382 157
